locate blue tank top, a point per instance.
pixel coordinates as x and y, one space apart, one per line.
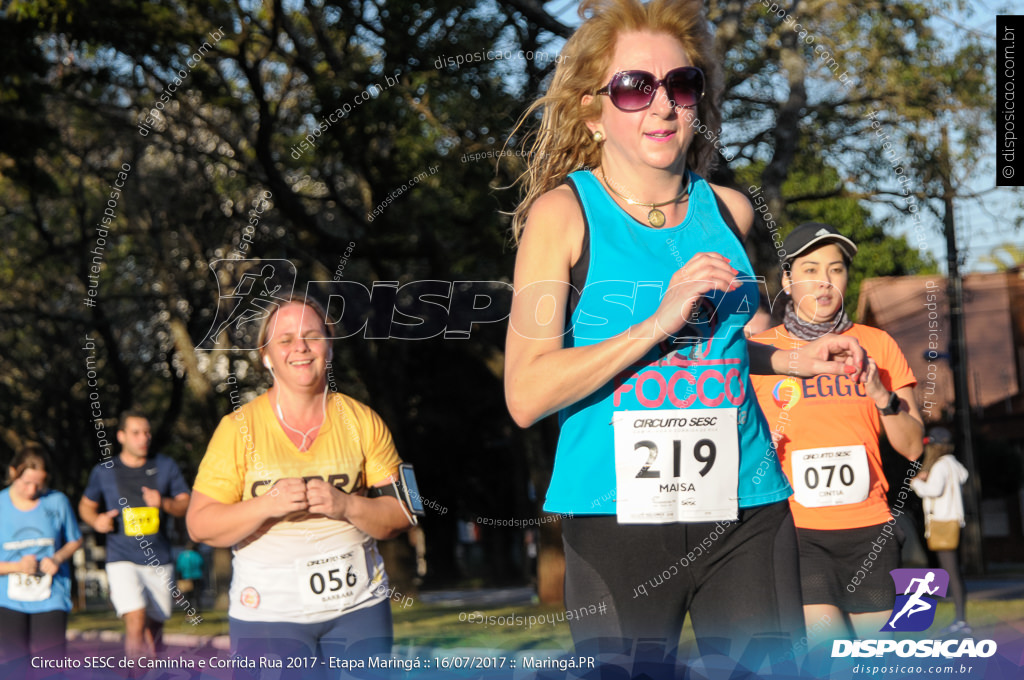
628 268
41 531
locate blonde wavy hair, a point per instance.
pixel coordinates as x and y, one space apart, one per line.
563 143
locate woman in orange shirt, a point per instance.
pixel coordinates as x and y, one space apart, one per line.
827 430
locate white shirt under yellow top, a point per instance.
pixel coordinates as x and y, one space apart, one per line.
305 568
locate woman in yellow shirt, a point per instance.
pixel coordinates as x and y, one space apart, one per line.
292 482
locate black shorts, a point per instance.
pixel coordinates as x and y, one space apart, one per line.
738 580
25 635
849 568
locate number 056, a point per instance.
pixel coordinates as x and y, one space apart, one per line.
318 584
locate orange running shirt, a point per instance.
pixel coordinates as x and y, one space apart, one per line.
832 411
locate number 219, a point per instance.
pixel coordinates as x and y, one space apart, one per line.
699 455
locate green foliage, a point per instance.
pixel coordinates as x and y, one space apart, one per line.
1004 257
81 82
82 100
878 252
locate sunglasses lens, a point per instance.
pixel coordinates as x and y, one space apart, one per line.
685 86
632 90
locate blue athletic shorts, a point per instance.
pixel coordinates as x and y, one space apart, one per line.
355 635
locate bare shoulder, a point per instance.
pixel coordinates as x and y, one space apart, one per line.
555 222
735 208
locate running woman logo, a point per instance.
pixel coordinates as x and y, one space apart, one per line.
914 610
262 285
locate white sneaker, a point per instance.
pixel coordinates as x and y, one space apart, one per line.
956 629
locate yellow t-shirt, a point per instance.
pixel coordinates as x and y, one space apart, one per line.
832 416
304 568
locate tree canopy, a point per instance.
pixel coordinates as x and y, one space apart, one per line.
146 143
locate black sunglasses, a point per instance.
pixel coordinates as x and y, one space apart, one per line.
635 90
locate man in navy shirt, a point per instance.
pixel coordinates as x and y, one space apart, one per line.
128 498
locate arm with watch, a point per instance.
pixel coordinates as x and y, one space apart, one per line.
901 419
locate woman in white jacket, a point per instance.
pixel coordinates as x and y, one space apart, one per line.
938 483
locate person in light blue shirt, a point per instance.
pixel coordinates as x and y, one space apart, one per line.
632 290
38 535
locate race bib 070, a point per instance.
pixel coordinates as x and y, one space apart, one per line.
834 475
676 466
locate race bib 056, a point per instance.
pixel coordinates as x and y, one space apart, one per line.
334 581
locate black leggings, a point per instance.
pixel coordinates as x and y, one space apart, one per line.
739 581
23 635
950 561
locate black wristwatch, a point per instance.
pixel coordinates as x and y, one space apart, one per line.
893 407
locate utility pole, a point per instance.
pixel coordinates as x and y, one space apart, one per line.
972 550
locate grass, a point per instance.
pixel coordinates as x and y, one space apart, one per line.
445 626
212 622
417 625
984 614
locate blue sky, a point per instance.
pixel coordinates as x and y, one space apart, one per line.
982 224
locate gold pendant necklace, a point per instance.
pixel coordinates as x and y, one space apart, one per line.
654 216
